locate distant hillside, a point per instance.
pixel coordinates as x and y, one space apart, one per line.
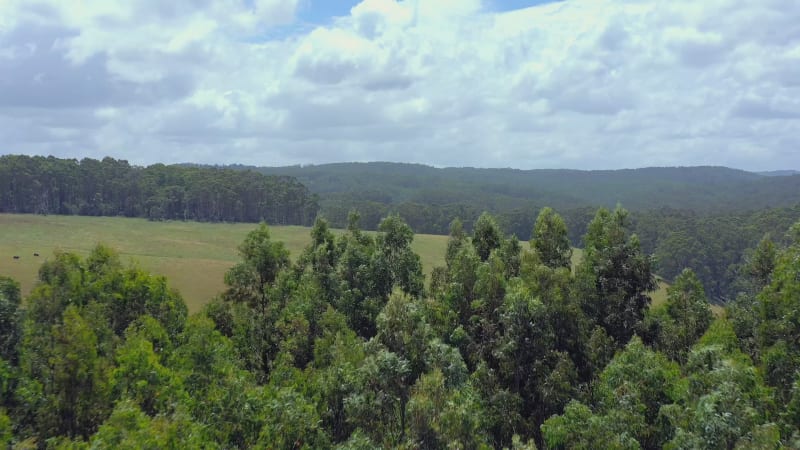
705 218
779 173
701 189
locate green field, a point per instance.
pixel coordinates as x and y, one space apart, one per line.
193 256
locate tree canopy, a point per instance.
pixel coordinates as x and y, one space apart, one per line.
111 187
346 346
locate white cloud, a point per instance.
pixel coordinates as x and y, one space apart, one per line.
375 17
579 83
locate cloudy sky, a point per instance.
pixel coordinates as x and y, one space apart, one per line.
495 83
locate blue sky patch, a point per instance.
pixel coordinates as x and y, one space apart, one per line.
322 11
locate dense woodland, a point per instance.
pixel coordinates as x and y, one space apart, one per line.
703 218
347 347
112 187
429 198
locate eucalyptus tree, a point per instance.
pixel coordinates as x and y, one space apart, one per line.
614 276
675 326
550 241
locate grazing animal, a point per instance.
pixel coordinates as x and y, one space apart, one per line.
16 257
35 254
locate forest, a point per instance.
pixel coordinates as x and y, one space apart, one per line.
347 346
703 218
110 187
429 198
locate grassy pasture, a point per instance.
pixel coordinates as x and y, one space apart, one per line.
193 256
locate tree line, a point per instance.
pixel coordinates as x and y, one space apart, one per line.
111 187
715 246
346 346
718 248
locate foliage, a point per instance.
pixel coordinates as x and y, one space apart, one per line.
550 241
9 318
140 376
292 423
579 428
440 417
343 348
262 259
430 198
115 188
703 218
129 428
685 316
5 429
485 236
614 275
723 404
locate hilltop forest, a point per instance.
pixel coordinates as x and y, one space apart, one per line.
429 198
347 347
112 187
704 218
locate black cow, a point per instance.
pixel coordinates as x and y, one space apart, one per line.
16 257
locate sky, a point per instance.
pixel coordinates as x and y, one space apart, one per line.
583 84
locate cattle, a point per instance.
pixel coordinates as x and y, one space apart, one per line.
35 254
16 256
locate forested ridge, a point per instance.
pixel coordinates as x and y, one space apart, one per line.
111 187
347 347
704 218
428 195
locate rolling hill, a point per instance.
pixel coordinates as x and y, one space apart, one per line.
706 189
